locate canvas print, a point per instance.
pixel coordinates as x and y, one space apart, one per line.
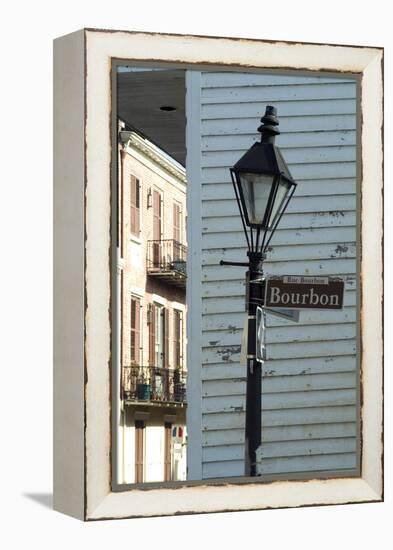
267 386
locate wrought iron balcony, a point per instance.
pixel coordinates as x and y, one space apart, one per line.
166 260
153 385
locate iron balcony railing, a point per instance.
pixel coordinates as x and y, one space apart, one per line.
153 384
165 256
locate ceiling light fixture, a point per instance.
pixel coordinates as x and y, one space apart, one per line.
167 108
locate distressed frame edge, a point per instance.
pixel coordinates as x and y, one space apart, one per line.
375 492
372 284
69 278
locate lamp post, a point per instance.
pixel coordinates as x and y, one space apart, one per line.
263 188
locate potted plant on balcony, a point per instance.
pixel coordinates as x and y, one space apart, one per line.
143 387
144 391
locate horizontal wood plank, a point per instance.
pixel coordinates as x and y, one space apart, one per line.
281 418
284 434
343 186
282 449
319 138
302 171
296 252
254 110
246 94
224 79
293 157
289 400
282 384
309 220
282 367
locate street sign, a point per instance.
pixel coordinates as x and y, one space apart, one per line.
289 314
260 336
300 292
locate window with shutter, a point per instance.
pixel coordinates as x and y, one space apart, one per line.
135 331
166 337
157 215
176 231
152 334
157 227
135 206
159 335
176 222
177 338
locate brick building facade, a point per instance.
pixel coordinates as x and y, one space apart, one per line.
152 261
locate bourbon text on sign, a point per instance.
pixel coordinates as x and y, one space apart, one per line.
296 291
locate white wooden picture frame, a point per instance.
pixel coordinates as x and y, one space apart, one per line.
83 457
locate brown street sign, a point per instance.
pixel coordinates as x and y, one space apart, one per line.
300 292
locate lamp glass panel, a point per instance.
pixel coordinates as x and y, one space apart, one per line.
256 191
281 196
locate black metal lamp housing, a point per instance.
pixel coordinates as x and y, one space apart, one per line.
263 184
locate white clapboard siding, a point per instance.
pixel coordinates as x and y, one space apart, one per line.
286 237
229 79
286 253
343 186
245 94
287 434
280 384
282 418
282 401
332 218
282 334
310 380
278 367
300 171
296 206
278 465
284 449
252 110
300 139
233 322
227 127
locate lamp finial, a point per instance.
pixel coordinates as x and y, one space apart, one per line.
269 127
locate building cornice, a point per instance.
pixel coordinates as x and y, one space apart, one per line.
152 152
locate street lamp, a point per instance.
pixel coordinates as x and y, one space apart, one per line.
263 184
263 188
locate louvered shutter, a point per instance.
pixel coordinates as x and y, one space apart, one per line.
156 228
165 313
135 331
135 205
152 334
177 328
176 222
156 215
